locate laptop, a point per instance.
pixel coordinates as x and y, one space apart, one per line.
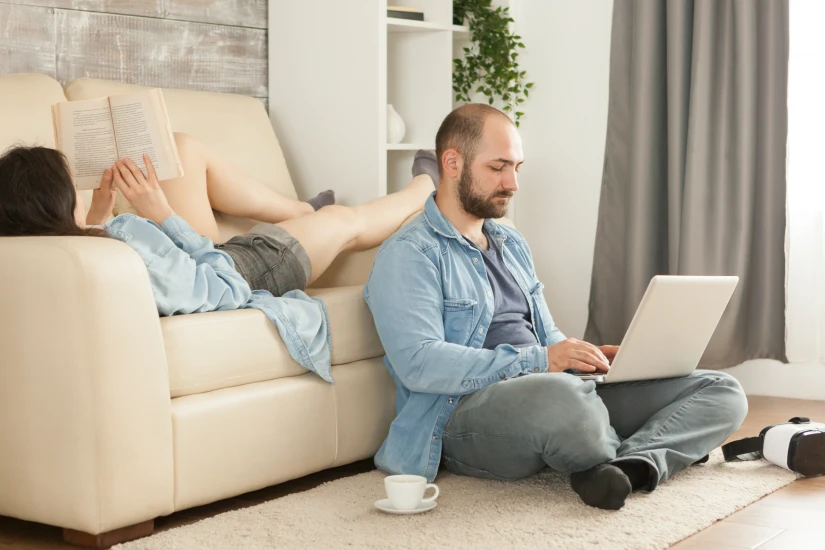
670 329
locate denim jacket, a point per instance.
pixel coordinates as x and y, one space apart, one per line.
188 275
432 305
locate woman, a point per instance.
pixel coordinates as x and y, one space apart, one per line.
176 227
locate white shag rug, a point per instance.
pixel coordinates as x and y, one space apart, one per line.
538 512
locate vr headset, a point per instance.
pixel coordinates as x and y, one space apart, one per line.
797 445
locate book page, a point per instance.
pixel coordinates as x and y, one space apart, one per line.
84 133
142 125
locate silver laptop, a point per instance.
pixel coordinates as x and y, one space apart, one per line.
670 329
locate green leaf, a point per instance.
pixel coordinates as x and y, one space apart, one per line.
519 114
490 64
528 85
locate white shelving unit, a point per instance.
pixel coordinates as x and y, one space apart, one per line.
334 67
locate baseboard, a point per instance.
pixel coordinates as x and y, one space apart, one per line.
768 377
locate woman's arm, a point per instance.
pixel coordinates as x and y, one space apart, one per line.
194 278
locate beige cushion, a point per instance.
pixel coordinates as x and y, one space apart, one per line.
236 127
25 109
26 112
224 349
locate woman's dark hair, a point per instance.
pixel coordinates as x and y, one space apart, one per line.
37 196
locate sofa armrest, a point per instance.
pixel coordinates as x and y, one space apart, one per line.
85 412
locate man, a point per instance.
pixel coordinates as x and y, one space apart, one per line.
479 365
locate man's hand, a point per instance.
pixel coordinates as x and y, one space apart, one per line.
576 354
103 201
609 352
144 193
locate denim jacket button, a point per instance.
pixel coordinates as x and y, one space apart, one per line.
481 331
535 369
450 401
502 376
475 260
435 437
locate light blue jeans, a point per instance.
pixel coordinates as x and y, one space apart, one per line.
517 427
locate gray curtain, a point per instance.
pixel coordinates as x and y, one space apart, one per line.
694 169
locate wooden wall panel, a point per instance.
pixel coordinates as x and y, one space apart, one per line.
244 13
27 39
159 52
152 8
241 13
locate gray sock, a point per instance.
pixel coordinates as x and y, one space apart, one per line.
604 486
324 198
425 162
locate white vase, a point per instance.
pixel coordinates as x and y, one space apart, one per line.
395 126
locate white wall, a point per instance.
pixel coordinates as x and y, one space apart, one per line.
556 208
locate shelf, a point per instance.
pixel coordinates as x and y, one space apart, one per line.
408 25
407 146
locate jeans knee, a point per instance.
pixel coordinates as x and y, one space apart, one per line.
571 423
732 403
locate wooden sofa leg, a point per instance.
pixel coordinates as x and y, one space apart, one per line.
110 538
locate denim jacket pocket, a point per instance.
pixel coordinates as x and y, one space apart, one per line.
458 319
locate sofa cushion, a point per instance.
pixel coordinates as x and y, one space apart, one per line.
235 126
224 349
26 112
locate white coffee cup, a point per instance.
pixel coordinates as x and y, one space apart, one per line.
407 492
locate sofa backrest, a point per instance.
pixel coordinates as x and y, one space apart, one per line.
236 127
26 101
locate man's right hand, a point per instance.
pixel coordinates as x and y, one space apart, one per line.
576 354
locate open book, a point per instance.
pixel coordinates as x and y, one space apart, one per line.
94 133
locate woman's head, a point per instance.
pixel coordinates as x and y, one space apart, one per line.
38 196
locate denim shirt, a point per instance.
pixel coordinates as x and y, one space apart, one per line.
188 275
432 305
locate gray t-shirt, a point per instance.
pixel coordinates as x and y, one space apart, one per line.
511 322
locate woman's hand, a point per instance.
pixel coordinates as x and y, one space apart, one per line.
103 201
143 193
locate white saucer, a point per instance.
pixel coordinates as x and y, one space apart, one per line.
386 506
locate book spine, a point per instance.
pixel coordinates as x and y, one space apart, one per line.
413 16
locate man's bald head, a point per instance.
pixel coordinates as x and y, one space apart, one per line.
463 130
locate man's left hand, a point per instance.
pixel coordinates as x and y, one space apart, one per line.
609 352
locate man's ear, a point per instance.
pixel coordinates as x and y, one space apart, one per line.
451 161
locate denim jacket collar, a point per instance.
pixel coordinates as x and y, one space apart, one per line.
444 227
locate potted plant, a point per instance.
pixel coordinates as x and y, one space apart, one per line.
490 64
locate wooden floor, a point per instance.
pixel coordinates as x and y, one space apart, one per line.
791 518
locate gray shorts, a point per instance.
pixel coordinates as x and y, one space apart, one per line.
270 259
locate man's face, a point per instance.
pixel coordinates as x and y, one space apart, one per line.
487 183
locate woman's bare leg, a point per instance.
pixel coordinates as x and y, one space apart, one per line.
331 230
211 182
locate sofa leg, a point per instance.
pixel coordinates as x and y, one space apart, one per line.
110 538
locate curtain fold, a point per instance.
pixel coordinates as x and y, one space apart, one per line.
694 169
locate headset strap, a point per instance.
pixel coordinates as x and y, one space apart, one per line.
749 448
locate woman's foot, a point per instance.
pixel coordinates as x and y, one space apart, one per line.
324 198
425 162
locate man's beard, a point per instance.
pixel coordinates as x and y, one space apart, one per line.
478 205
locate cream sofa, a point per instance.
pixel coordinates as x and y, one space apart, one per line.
112 416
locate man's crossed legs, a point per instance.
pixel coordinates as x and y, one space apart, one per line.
613 438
